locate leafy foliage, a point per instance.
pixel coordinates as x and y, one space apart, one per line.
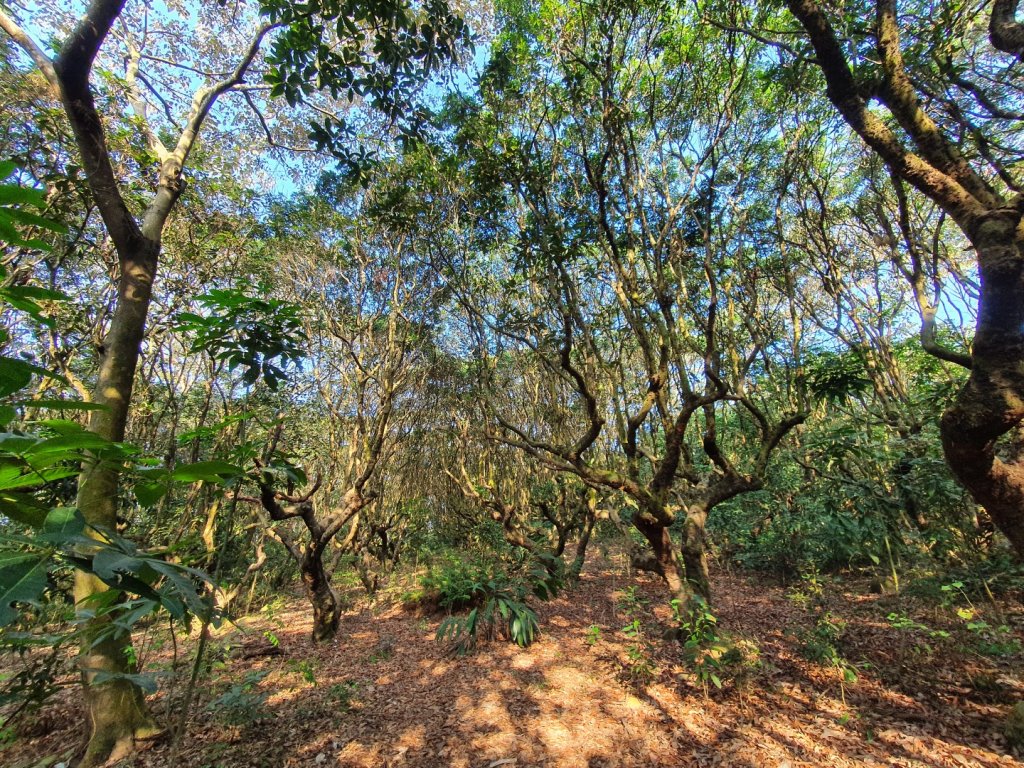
243 703
259 335
15 219
497 604
375 53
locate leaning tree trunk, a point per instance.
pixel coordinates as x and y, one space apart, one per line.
991 404
323 598
576 566
694 551
115 709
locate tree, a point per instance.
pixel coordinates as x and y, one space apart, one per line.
116 709
368 310
621 152
948 103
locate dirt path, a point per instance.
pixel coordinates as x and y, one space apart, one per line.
385 694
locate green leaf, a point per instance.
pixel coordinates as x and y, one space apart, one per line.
14 477
34 220
16 374
109 562
62 523
13 194
207 471
7 167
22 509
146 682
72 443
22 580
183 587
149 492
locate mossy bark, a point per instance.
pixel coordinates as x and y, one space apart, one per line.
115 708
323 598
666 558
694 552
991 404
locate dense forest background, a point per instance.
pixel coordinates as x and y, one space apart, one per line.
475 308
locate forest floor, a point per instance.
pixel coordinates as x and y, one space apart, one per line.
385 693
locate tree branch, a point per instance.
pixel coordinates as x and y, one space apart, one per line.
1005 32
842 91
27 44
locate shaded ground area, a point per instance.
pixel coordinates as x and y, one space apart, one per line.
590 695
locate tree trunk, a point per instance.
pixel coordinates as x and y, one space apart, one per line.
326 610
576 566
665 557
116 709
991 404
694 550
368 575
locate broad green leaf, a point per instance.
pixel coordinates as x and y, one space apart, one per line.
12 443
16 374
22 580
71 443
149 492
183 587
14 477
108 563
22 509
61 524
13 194
34 220
146 682
208 471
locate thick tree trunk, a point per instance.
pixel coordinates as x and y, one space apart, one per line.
666 558
323 598
694 551
991 404
115 709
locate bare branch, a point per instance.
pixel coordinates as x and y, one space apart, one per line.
27 44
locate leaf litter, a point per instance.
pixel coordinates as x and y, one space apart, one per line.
586 695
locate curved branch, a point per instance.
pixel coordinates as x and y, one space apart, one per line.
842 91
205 97
1005 32
73 67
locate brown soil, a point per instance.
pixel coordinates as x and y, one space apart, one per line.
386 694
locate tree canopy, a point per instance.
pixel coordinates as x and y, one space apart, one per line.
443 294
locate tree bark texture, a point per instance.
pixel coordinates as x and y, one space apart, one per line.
323 598
666 557
694 552
115 709
991 404
928 156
